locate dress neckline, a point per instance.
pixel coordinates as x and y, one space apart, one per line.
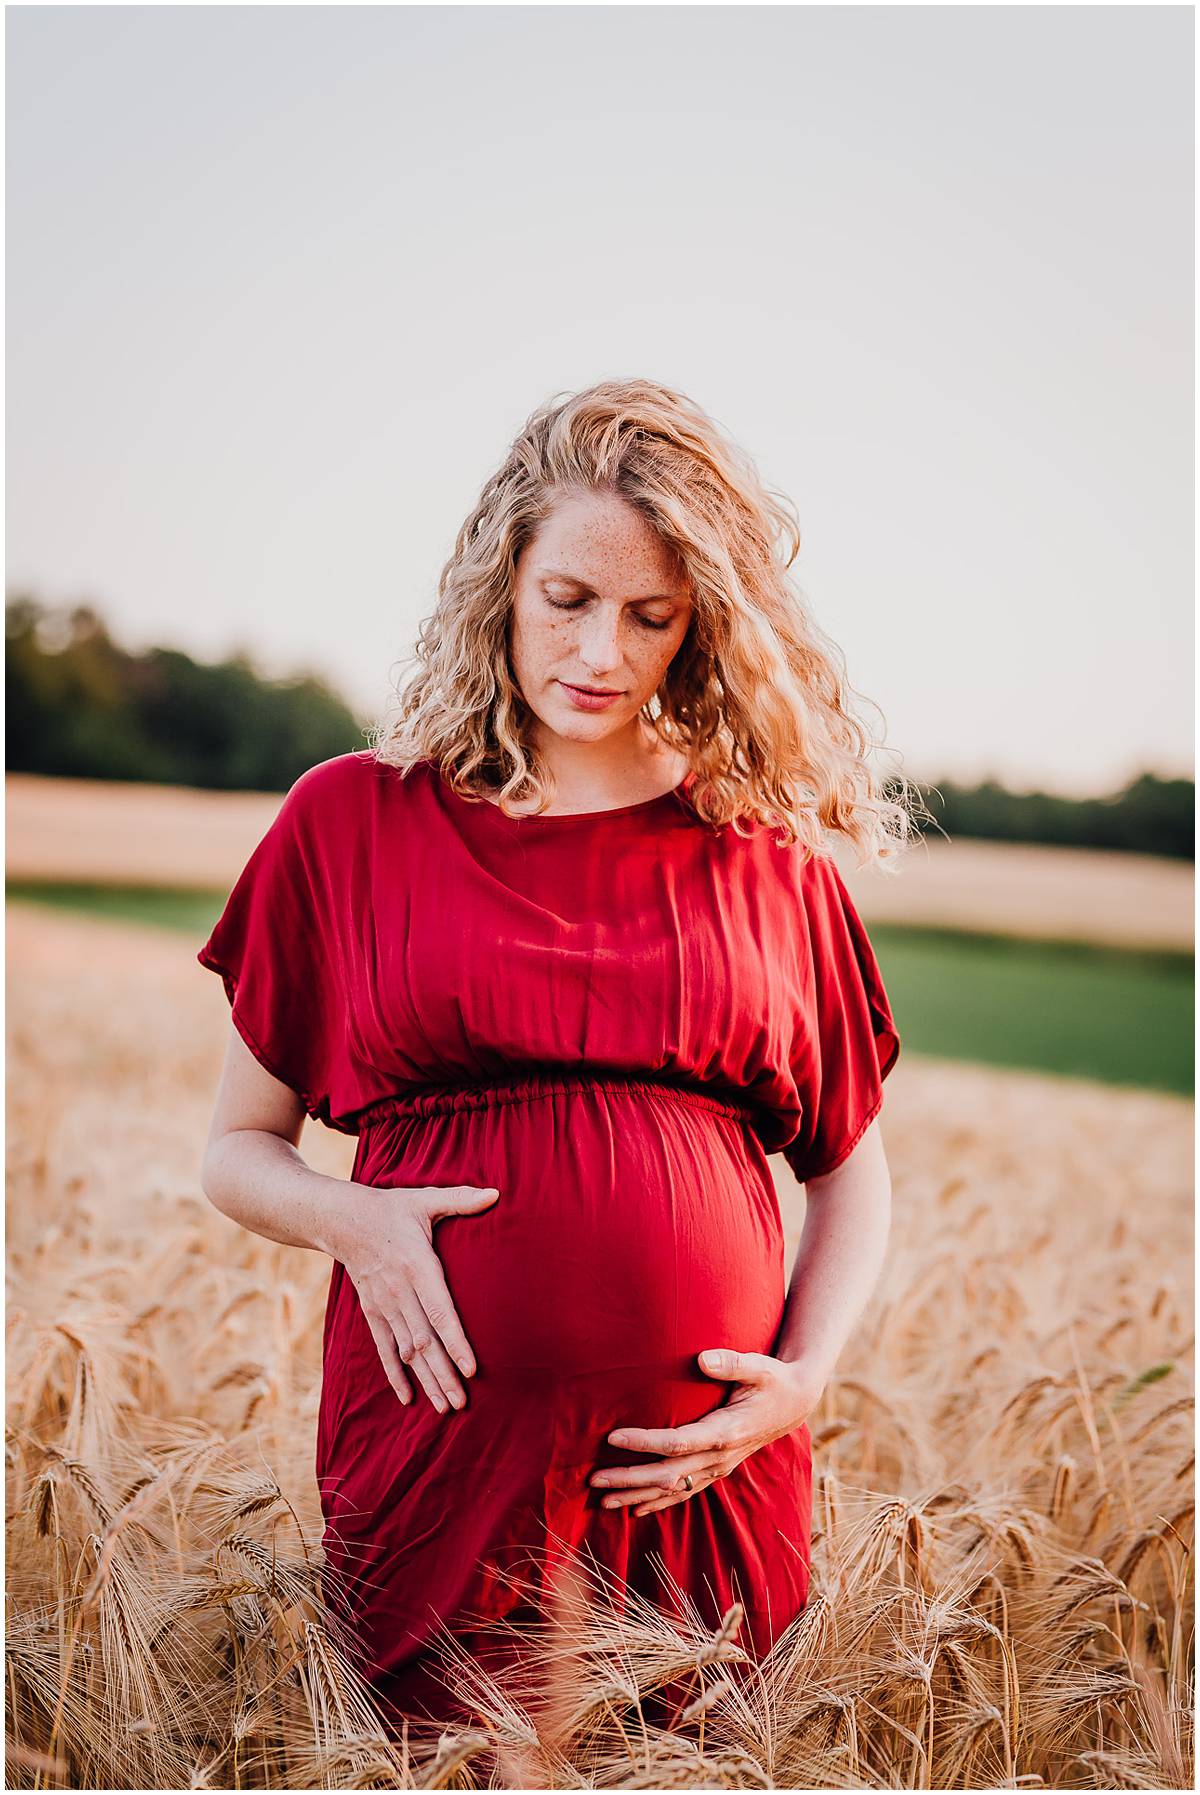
576 816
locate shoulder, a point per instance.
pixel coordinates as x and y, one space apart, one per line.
334 777
811 887
348 788
342 778
823 889
803 873
328 794
817 872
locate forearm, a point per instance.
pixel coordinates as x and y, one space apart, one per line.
260 1181
839 1259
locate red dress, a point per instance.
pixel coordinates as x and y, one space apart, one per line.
612 1019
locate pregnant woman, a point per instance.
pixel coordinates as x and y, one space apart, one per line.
565 951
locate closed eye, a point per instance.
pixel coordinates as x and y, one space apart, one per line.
573 604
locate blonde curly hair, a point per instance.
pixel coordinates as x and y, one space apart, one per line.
756 695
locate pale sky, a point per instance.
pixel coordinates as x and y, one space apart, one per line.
283 282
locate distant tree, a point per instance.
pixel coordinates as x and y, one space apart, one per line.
1150 815
80 706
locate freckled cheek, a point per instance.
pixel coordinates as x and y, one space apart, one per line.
547 649
542 641
657 656
554 640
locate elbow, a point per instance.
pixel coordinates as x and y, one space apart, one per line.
866 1164
213 1182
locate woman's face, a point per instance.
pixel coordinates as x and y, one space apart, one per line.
600 603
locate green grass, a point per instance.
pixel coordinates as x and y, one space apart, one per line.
190 912
1122 1016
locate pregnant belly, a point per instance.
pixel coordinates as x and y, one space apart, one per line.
634 1228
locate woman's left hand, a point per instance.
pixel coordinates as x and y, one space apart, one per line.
773 1398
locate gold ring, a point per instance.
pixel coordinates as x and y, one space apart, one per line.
688 1481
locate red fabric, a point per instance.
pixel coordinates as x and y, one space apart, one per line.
613 1020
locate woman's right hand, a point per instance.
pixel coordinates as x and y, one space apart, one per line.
386 1245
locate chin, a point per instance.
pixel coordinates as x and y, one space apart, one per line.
584 726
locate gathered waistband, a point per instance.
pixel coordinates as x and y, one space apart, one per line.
439 1100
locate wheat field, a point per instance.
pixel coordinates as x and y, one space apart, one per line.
1003 1548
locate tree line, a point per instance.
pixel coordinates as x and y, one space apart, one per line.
80 706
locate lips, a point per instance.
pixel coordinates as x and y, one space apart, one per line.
589 700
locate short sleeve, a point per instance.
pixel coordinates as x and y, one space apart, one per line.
275 948
846 1039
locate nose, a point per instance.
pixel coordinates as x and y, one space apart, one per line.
599 643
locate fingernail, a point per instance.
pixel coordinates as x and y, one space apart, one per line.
466 1367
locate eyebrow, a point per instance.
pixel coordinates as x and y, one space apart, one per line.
648 598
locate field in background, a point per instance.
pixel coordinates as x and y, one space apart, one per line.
1002 1584
90 830
1062 960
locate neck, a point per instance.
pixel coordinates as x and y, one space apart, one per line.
623 768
